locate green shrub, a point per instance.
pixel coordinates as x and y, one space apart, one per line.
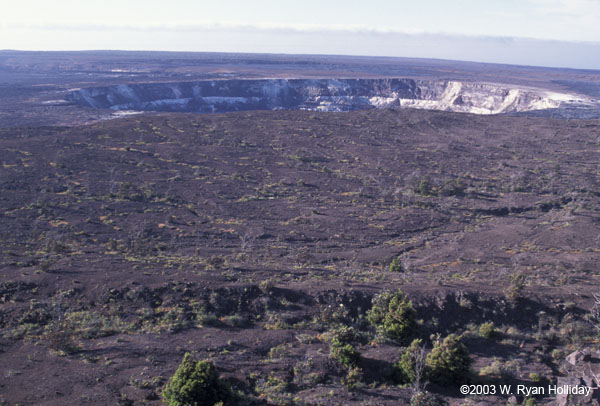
405 369
345 335
129 191
396 265
558 355
498 370
345 354
487 330
423 398
342 349
354 379
514 291
195 384
454 187
449 362
425 187
393 315
274 391
530 402
59 335
91 324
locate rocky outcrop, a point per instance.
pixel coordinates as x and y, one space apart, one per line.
578 357
583 371
324 95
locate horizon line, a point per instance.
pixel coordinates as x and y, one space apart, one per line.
465 61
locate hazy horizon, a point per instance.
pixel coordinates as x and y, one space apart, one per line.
552 33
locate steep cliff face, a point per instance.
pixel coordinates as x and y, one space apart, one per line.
324 95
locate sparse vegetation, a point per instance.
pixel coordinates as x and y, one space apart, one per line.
499 371
275 391
515 288
238 240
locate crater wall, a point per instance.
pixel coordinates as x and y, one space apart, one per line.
216 96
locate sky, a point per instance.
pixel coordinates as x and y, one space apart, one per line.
563 33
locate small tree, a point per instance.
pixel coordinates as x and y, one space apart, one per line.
195 384
449 362
393 315
411 366
396 265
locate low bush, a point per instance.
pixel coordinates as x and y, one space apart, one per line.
423 398
487 330
498 370
196 384
449 362
59 335
517 282
274 391
342 349
353 379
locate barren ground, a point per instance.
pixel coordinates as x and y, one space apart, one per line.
244 238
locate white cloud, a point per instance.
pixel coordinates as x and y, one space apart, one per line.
573 8
573 19
264 27
213 25
570 11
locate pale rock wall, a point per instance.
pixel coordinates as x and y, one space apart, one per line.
325 95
